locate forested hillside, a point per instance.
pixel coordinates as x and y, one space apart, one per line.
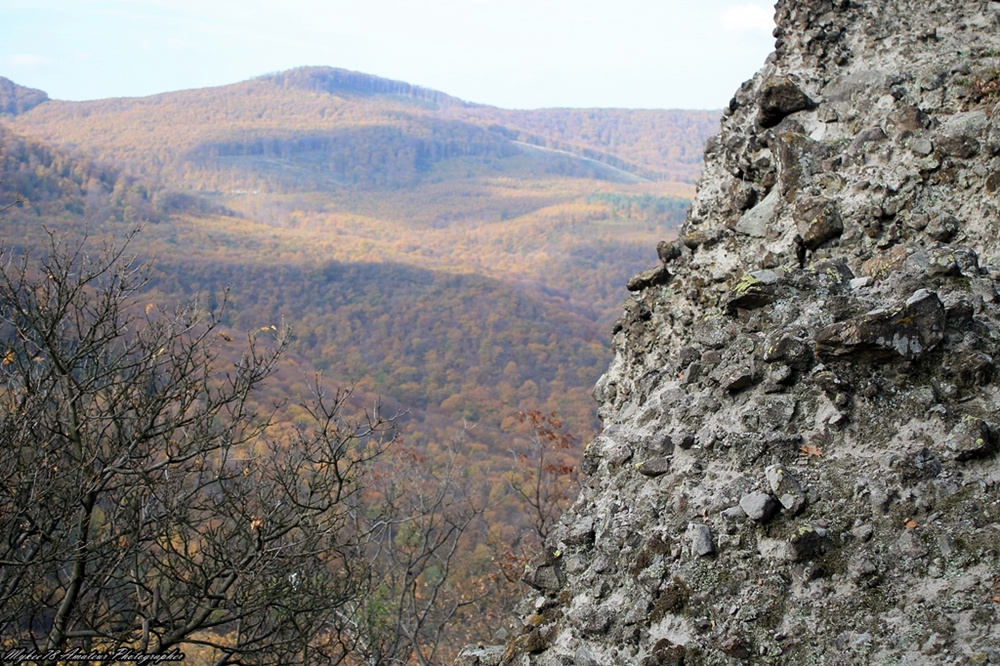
15 99
463 263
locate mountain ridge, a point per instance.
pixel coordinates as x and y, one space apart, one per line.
16 99
367 100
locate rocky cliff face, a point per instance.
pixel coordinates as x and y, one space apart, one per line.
801 421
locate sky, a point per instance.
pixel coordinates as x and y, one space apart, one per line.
515 54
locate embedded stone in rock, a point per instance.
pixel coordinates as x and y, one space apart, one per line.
660 444
967 260
473 655
756 221
665 653
737 380
860 567
922 146
993 182
780 374
831 384
909 546
941 263
706 438
778 98
735 647
697 239
688 355
667 251
619 455
776 411
752 291
684 440
654 467
767 277
909 117
699 536
691 373
808 542
590 619
943 227
758 506
648 278
958 145
534 641
923 464
710 333
971 369
793 351
786 488
581 533
906 332
835 270
584 656
861 283
844 307
548 575
951 260
818 220
799 160
971 439
882 265
711 358
865 141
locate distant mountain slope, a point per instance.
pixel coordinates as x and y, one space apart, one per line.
15 99
462 345
654 144
539 215
50 182
323 128
342 81
454 343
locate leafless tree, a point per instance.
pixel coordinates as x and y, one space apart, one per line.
144 503
428 508
544 476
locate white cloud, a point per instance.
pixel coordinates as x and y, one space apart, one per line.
748 18
28 60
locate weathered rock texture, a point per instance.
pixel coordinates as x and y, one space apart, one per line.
823 341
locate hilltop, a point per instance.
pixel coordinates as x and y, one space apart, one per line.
316 128
15 99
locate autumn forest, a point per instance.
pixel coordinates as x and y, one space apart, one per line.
459 265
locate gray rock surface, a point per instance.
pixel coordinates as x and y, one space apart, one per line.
853 382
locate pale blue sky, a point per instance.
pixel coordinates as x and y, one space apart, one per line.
509 53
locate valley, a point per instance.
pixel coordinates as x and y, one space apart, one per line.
265 184
460 263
